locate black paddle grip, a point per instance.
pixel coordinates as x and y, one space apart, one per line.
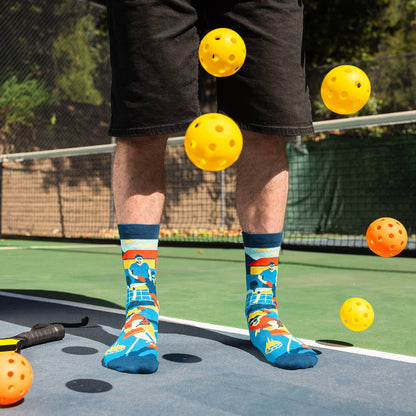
40 334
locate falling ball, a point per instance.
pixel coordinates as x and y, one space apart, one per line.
213 142
222 52
345 89
357 314
386 237
15 377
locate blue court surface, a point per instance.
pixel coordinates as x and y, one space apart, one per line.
204 370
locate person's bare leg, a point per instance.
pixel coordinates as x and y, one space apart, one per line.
262 183
261 196
138 179
139 194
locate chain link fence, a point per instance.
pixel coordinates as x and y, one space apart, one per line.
54 75
55 94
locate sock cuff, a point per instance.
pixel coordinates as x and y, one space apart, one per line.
262 240
136 231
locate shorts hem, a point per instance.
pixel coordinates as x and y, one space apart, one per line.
285 131
149 130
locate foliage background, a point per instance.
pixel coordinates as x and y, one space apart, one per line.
55 70
55 93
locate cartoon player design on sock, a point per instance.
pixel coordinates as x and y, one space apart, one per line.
140 276
267 332
135 350
267 285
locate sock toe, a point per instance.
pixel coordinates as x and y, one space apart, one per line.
134 364
295 360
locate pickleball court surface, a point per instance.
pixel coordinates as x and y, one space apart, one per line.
204 369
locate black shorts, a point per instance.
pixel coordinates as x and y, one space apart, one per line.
155 67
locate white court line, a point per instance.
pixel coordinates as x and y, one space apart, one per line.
220 328
60 247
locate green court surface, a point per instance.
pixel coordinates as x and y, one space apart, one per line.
208 285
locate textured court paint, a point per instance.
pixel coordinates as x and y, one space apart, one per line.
225 378
217 328
214 278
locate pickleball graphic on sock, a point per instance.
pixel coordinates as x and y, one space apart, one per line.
135 350
267 332
261 278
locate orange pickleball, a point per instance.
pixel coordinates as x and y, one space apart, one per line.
386 237
16 377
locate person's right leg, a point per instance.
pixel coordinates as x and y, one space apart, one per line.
138 179
139 198
154 93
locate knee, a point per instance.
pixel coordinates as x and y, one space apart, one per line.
141 146
263 145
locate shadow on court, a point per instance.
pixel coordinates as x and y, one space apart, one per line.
202 371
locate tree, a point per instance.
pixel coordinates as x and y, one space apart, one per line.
400 28
20 100
54 74
77 57
377 35
340 31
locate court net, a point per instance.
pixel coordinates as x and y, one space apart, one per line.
348 173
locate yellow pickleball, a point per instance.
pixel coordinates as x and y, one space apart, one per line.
213 142
222 52
357 314
345 89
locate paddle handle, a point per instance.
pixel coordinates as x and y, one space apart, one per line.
41 334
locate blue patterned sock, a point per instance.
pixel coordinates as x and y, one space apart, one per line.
267 333
135 350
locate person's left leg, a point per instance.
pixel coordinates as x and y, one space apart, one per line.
261 195
262 183
269 99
